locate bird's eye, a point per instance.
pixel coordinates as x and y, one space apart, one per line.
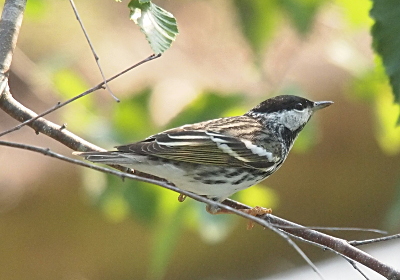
298 107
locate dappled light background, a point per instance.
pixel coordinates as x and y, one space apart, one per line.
59 221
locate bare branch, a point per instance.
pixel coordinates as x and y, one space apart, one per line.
59 105
92 49
278 225
10 24
354 265
369 241
337 245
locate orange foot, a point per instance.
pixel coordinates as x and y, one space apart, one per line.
181 197
256 211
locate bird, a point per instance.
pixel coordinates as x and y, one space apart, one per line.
219 157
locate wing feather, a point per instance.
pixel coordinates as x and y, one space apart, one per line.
204 147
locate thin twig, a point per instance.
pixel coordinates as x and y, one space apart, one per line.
345 229
355 266
369 241
59 104
96 57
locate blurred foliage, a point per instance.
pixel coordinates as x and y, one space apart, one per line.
356 12
392 218
388 133
132 119
209 105
301 12
35 9
386 39
259 19
373 87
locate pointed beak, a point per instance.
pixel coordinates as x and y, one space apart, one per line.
321 104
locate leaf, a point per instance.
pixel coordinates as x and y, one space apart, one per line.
386 39
157 24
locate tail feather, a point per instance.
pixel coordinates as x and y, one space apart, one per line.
106 157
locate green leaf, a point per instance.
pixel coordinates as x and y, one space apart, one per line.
258 20
371 84
157 24
386 39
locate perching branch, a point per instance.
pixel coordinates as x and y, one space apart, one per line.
9 28
279 225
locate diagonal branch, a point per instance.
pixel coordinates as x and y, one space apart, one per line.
278 225
59 105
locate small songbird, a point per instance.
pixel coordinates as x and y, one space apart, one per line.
219 157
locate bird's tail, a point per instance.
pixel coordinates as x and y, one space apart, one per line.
106 157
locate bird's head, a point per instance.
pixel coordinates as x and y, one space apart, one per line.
292 112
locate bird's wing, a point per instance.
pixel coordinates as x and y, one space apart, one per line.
204 147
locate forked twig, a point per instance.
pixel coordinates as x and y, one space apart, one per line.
4 82
96 57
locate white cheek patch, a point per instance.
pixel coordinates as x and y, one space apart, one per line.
260 151
295 119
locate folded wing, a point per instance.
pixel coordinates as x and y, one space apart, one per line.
204 147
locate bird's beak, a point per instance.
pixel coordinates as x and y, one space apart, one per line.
321 104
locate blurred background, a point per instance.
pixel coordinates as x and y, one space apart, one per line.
59 221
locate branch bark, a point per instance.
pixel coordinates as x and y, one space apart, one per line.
10 24
11 20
